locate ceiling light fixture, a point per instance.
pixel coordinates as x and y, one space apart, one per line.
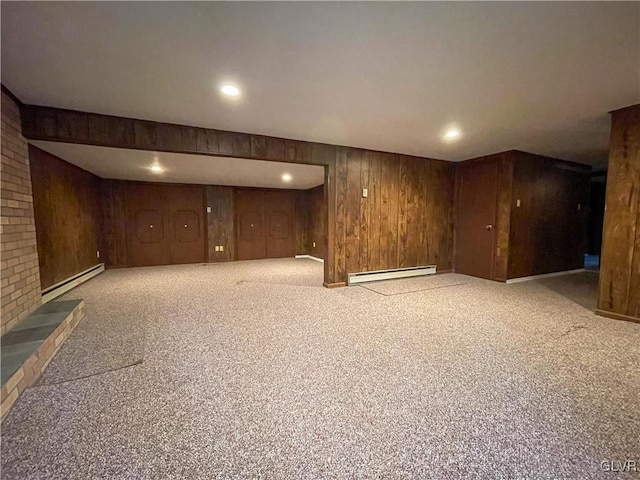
155 168
230 90
452 134
286 177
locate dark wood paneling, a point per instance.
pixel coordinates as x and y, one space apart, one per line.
114 209
220 223
311 222
68 217
317 236
352 205
503 217
61 125
476 218
547 231
620 263
406 218
302 222
339 227
384 242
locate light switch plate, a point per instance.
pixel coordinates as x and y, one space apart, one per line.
217 248
365 192
517 202
222 248
208 209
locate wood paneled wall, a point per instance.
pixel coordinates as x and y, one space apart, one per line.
311 222
546 233
302 215
407 221
114 209
619 295
220 223
317 226
548 229
68 217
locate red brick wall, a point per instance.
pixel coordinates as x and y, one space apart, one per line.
18 249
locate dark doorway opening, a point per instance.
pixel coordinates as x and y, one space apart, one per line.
597 192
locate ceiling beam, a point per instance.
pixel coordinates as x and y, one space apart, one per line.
70 126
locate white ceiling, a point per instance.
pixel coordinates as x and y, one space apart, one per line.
125 164
534 76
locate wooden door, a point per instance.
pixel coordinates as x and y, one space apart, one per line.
477 200
278 205
186 217
165 224
147 232
250 236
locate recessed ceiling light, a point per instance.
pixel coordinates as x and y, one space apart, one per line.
286 177
155 168
230 90
452 134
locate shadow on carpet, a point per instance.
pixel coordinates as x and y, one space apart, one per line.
404 286
581 288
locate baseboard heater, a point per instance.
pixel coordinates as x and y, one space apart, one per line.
310 257
362 277
54 291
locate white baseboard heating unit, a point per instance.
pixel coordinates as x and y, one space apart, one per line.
64 286
362 277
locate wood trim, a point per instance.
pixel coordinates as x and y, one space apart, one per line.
617 316
334 285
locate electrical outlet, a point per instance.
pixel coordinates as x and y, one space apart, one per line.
314 244
222 248
208 209
217 248
365 192
518 203
98 254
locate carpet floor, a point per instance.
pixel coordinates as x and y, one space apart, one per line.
417 284
247 374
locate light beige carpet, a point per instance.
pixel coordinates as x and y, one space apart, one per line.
269 380
416 284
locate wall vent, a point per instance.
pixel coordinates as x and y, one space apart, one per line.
362 277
